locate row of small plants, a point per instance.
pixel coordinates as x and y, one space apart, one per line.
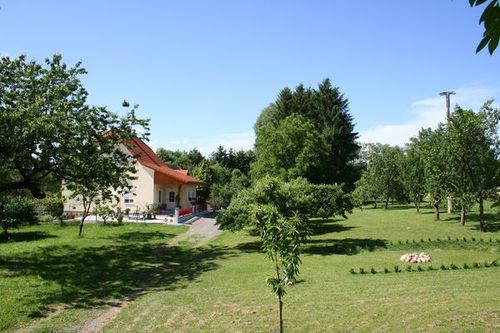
410 268
462 242
448 239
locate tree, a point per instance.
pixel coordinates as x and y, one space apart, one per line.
491 20
280 211
474 156
180 159
327 111
222 192
414 174
383 177
47 130
433 146
102 167
293 149
16 208
38 105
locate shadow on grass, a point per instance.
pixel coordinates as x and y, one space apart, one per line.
140 236
93 276
25 236
322 227
347 246
472 221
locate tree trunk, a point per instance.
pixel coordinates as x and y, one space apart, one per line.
386 205
462 215
482 222
417 205
436 210
281 314
80 232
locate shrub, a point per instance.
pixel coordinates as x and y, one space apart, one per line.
430 268
420 269
408 268
443 267
386 270
397 269
477 265
362 271
373 271
466 266
453 266
352 271
16 209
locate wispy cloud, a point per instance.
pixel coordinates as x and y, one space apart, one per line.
207 145
427 113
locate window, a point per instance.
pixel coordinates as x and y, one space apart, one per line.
128 200
192 195
159 196
171 197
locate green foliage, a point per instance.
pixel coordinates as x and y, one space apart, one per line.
297 197
414 174
491 20
383 178
53 206
293 149
48 130
16 208
180 159
104 212
308 133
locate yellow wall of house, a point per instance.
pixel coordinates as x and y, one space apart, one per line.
143 192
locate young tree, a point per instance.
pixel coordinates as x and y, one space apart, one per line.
280 211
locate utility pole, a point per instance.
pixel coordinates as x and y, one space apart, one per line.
447 94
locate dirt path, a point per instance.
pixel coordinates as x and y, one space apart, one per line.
200 232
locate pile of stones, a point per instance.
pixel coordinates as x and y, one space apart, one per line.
415 257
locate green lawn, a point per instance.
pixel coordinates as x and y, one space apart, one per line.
221 287
48 271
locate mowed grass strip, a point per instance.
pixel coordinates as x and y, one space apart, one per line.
234 297
46 270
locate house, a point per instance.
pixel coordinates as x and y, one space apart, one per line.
155 182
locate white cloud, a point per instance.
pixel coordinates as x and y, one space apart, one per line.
208 145
427 113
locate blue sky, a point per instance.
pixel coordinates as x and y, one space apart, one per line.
203 70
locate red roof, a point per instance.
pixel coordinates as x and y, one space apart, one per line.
163 173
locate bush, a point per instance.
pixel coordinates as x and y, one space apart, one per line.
16 209
105 212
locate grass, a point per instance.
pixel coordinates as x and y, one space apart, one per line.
46 268
221 287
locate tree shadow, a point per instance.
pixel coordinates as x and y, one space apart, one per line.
347 246
25 236
139 236
322 227
492 222
94 276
